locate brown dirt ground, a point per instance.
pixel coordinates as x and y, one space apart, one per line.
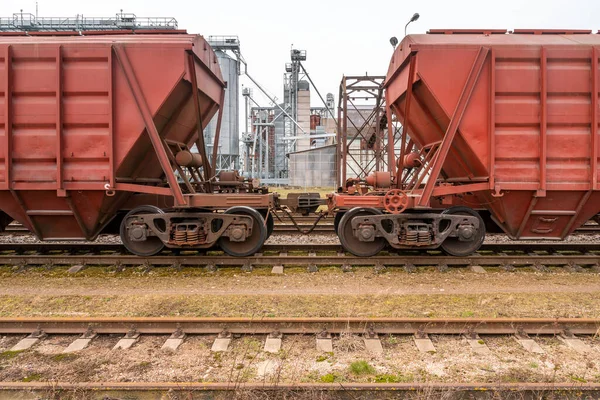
100 291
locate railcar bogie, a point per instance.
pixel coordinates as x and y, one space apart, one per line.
146 230
364 232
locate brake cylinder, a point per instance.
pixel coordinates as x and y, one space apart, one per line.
186 158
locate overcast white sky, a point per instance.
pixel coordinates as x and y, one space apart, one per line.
341 37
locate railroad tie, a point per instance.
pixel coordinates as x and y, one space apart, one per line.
423 343
76 268
29 341
174 341
574 343
528 343
373 343
477 344
81 342
127 341
273 342
222 342
478 269
325 342
277 269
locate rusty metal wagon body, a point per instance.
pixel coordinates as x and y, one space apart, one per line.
492 120
92 125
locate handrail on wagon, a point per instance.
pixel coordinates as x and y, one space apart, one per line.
20 22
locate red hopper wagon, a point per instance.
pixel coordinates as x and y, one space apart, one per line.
506 122
93 125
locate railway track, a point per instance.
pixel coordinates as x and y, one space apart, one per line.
576 257
124 333
284 227
567 327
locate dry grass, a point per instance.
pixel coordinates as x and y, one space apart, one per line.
348 342
423 393
574 305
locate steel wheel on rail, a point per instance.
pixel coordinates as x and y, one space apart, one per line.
254 242
129 230
336 219
453 245
350 242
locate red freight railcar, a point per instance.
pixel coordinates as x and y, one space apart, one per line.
504 122
91 125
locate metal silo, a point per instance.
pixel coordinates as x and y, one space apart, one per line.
229 140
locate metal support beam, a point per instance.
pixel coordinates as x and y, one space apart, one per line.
572 220
59 146
317 90
78 218
8 117
218 130
543 121
360 140
111 120
594 127
206 166
391 141
275 103
23 210
492 111
409 89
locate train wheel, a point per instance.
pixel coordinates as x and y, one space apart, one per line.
337 219
350 242
144 248
453 245
254 242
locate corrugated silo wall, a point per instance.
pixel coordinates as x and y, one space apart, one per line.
313 168
229 140
303 116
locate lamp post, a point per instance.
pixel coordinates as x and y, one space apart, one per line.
413 19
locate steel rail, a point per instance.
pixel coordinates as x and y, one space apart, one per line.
302 326
509 247
302 260
112 255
